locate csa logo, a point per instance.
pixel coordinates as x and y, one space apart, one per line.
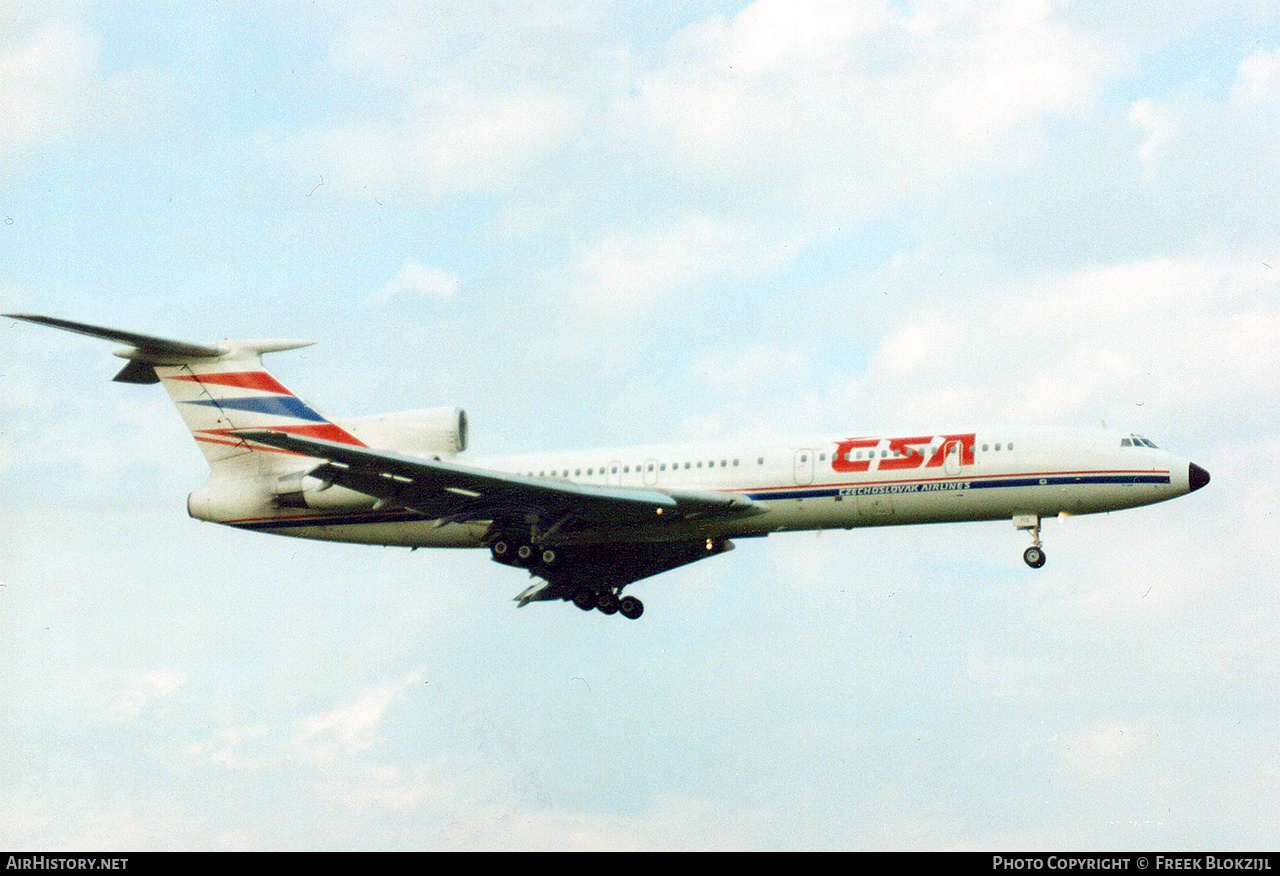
908 450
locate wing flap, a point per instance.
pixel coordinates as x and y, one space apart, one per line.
432 485
447 489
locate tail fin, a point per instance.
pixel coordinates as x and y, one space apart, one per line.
217 390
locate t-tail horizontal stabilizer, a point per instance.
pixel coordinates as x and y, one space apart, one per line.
217 388
146 351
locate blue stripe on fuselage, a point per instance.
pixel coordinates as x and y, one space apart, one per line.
815 492
819 492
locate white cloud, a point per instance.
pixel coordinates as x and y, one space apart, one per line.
1257 79
1074 346
238 748
841 107
47 85
340 734
747 368
1103 751
415 280
449 139
52 87
146 690
626 274
1157 128
916 347
349 728
773 36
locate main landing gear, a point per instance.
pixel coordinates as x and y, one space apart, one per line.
1034 555
521 554
608 602
513 551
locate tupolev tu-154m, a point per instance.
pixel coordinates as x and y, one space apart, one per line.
588 523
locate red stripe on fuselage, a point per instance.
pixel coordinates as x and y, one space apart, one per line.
966 476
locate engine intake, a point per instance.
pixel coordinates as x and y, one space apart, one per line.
425 432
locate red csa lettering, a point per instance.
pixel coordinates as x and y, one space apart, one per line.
965 443
909 458
840 460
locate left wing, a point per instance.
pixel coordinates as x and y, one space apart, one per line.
451 492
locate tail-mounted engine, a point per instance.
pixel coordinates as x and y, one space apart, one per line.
430 432
300 489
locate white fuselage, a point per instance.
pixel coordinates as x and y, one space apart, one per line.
824 483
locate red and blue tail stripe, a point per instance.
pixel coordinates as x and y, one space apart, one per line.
217 404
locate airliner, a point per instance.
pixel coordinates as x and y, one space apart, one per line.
585 524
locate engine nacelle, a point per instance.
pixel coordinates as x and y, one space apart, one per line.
224 499
427 432
302 490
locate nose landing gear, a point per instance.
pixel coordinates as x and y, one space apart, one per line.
1034 555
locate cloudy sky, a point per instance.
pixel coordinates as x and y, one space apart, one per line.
607 223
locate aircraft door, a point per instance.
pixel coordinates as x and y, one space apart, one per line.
651 471
615 473
952 457
804 466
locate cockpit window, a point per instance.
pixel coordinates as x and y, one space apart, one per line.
1137 441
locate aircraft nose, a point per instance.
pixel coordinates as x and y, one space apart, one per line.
1197 477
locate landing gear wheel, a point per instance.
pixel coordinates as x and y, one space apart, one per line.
499 549
607 602
524 553
1034 555
630 607
548 557
585 599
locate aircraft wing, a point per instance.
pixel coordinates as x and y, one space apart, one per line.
455 493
